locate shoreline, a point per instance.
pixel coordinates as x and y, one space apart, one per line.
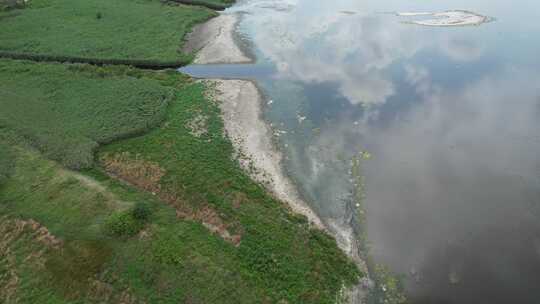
241 105
214 42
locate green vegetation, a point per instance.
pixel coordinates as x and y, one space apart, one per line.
388 286
138 63
66 111
165 215
6 163
128 222
120 29
6 5
278 252
123 224
207 233
213 4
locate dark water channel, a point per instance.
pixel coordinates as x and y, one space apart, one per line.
450 115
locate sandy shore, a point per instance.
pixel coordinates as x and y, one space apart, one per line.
241 107
215 42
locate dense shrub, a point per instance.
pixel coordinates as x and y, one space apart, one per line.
141 211
130 222
123 224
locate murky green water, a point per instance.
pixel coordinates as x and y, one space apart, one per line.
451 117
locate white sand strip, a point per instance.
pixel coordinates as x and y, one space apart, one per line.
447 18
241 106
215 42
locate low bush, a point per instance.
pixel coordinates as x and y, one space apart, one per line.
123 224
128 223
141 211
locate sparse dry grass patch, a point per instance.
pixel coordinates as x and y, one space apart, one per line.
147 176
37 240
135 170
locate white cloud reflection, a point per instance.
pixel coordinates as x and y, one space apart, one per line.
460 49
326 45
458 172
457 161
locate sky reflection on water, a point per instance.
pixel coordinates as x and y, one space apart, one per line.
450 115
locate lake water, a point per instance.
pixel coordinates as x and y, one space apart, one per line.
450 115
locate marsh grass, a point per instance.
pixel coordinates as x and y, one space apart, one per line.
67 111
6 163
126 29
161 258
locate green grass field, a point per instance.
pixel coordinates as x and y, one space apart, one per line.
107 252
66 111
120 29
6 163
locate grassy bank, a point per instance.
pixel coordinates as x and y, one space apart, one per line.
278 251
121 29
163 217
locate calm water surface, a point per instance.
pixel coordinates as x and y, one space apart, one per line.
451 117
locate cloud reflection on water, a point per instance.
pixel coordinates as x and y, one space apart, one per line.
327 46
453 184
453 171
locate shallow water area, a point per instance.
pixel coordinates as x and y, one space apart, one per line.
449 115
